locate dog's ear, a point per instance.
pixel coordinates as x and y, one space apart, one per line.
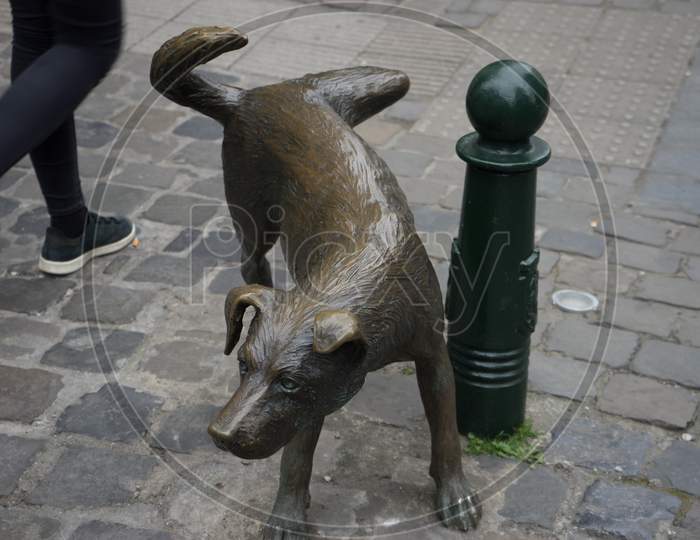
237 300
334 328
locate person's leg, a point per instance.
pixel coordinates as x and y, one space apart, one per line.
55 160
37 108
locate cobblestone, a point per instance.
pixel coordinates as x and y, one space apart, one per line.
646 317
17 454
115 531
182 361
535 498
625 511
200 127
109 304
185 429
16 525
407 164
679 467
674 291
146 174
116 199
648 258
26 393
77 350
168 270
573 242
648 400
555 374
181 210
669 361
578 340
118 418
33 222
688 241
601 446
31 295
91 477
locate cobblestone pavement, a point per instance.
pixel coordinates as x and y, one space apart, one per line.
628 71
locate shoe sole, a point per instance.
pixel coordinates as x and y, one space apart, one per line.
61 268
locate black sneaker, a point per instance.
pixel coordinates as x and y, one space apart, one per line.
62 255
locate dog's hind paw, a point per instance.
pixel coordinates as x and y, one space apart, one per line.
458 508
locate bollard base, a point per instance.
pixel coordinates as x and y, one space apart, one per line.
488 412
491 389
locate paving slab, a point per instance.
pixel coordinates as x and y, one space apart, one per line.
535 498
92 477
26 393
406 164
637 229
601 446
648 400
578 339
680 191
574 242
648 258
669 361
645 317
669 290
557 375
688 241
625 511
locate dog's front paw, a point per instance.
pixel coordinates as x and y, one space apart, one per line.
279 529
457 506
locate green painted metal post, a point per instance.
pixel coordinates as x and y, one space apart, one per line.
492 292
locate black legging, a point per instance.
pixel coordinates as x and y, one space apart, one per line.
60 50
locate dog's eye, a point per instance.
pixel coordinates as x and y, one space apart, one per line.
242 367
289 385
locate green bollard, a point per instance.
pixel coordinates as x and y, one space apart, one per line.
491 302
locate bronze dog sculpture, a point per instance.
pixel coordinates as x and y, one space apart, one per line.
366 293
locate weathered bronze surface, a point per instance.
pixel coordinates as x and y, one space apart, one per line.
492 293
366 294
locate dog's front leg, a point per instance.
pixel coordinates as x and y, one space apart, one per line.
457 506
288 519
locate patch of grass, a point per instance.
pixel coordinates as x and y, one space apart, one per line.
408 371
521 445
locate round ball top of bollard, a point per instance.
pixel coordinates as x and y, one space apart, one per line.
507 101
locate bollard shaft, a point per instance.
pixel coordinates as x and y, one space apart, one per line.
492 291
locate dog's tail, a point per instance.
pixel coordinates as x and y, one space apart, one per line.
172 65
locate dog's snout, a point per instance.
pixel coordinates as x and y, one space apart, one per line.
222 439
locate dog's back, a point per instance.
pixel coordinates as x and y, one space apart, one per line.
295 170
